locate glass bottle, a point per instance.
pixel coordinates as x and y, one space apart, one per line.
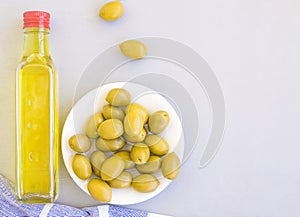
36 115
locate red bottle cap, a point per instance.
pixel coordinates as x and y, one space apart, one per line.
39 19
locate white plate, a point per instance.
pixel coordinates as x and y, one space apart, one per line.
91 103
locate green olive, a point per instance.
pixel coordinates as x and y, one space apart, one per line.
133 123
138 138
137 107
97 158
170 166
82 166
109 145
111 11
110 111
118 97
140 153
112 167
157 145
125 155
92 125
122 181
134 49
151 166
79 143
158 121
111 129
99 190
145 183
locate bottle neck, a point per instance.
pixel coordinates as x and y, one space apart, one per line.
36 41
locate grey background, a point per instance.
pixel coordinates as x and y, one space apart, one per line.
252 46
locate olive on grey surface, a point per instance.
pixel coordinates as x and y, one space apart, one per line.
97 159
140 153
112 167
139 138
79 143
151 166
118 97
157 145
170 166
92 125
110 111
122 181
125 155
111 129
134 49
158 122
112 10
145 183
138 109
109 144
99 190
81 166
133 123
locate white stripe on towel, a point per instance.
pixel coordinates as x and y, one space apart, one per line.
157 215
46 210
103 211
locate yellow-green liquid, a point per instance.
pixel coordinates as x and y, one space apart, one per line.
37 131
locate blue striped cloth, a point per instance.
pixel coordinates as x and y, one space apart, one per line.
10 207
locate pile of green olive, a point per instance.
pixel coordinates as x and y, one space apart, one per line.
123 124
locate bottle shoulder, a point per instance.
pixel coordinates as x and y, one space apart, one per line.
36 60
36 65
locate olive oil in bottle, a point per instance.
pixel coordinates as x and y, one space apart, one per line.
36 115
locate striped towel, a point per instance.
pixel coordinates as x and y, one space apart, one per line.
10 207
